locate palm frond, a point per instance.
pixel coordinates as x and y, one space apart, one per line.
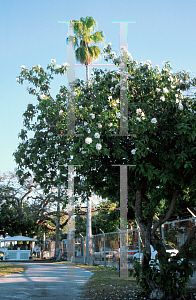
96 37
82 55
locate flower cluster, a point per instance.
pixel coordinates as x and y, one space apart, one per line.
133 151
140 112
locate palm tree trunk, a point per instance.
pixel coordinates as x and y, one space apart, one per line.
87 73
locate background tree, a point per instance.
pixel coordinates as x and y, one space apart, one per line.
27 209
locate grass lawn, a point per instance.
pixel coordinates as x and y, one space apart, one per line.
105 284
7 269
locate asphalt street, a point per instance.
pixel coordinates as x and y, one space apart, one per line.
44 281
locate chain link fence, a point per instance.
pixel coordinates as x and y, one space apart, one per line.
107 247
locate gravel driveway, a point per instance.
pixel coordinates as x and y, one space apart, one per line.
44 281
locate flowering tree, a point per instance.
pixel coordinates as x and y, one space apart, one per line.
161 122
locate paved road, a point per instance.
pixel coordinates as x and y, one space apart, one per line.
44 281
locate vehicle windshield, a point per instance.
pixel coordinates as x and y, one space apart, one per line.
132 247
168 247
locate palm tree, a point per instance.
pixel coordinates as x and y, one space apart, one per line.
85 35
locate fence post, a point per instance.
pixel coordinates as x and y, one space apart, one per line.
104 247
82 245
139 243
162 231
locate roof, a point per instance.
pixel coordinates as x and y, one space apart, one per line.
18 238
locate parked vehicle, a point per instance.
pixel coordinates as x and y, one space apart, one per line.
132 250
154 254
109 254
1 255
64 250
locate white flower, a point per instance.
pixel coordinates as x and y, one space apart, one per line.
85 123
162 98
121 66
130 57
154 120
88 131
180 106
23 67
98 146
113 53
147 63
42 96
97 135
99 125
17 79
110 98
165 90
80 106
138 111
110 44
142 114
157 66
138 119
170 79
118 115
173 86
56 146
92 115
110 125
53 61
123 48
117 101
66 64
133 151
60 112
74 93
158 90
50 133
88 140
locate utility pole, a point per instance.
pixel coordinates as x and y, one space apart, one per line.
89 252
57 224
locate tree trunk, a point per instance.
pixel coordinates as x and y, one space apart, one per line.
88 257
87 74
57 224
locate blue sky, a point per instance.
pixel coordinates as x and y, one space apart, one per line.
31 35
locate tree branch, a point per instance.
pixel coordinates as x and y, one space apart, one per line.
167 215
